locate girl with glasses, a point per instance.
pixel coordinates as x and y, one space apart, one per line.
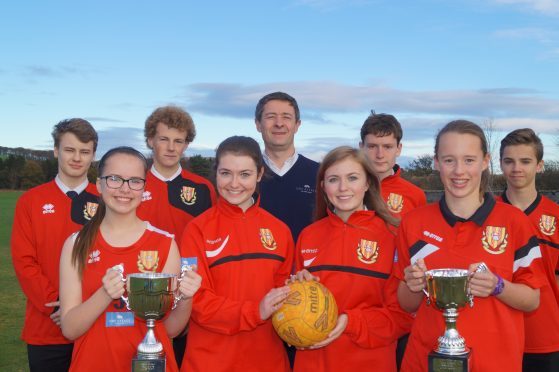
106 334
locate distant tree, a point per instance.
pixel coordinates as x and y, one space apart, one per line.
549 178
421 166
200 165
491 135
50 168
31 175
92 174
14 166
4 181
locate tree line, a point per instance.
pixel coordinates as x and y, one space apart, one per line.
18 172
421 172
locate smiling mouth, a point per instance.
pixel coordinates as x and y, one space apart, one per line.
459 182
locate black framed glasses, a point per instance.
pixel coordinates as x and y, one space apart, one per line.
116 182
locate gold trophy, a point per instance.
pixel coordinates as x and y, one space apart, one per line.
150 296
447 290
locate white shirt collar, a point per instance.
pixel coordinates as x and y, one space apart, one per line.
65 188
163 178
287 165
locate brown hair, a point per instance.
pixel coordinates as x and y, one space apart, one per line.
86 236
468 127
240 145
81 128
524 136
372 199
381 125
173 117
276 96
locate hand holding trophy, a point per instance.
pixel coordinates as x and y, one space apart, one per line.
151 296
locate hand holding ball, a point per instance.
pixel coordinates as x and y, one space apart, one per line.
307 315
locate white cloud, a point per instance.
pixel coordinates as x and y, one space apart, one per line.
547 7
529 33
326 97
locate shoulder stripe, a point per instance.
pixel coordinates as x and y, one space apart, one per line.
248 256
525 249
150 227
524 256
549 243
349 269
421 249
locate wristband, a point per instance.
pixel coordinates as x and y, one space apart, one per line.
499 287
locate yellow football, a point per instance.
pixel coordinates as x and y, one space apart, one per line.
308 314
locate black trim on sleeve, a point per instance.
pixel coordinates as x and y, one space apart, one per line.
416 247
349 269
549 243
248 256
526 248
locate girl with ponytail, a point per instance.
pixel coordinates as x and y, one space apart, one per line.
466 228
106 334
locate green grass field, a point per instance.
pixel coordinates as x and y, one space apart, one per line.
13 355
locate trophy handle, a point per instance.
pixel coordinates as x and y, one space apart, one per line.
481 268
178 295
120 269
428 299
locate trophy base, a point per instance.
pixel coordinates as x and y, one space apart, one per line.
148 365
449 363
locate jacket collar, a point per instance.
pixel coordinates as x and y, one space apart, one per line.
479 217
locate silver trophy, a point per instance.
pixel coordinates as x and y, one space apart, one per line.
150 296
448 291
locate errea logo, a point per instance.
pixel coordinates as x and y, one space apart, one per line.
432 236
146 196
94 256
48 208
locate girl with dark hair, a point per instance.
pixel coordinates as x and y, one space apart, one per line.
244 256
106 334
350 249
466 228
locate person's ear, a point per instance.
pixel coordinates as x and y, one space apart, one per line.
540 167
260 174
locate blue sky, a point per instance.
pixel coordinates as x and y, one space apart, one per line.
425 61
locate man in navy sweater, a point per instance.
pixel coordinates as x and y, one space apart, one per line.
288 187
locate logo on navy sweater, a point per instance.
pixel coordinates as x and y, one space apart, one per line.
267 239
305 189
367 251
494 239
188 195
89 210
547 224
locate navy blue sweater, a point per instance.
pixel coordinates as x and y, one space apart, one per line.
291 197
